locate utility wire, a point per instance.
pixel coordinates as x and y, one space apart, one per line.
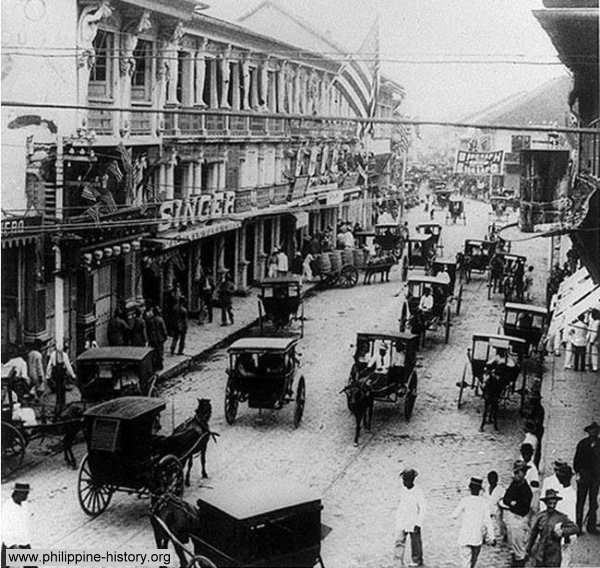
301 117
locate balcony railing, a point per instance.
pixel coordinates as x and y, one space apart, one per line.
141 124
101 121
258 125
216 124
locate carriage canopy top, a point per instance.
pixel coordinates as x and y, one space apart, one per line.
263 344
378 336
525 308
127 408
266 282
498 337
120 353
246 501
419 277
420 237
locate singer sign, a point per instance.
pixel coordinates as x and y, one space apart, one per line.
477 163
177 213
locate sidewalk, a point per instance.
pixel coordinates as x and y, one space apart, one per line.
571 400
208 336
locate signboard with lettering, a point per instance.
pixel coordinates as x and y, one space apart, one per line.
478 163
177 213
15 226
300 187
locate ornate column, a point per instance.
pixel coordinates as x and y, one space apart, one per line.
236 98
127 64
254 95
225 76
197 165
281 87
171 49
246 83
312 94
297 90
263 76
200 67
170 175
214 93
289 88
261 256
243 262
87 29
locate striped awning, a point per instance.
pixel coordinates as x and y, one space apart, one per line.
18 241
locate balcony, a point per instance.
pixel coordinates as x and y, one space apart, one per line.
101 121
258 125
141 124
238 125
216 124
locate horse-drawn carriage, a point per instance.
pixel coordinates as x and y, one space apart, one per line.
25 419
420 252
456 211
494 363
502 273
388 239
433 229
449 266
526 322
499 205
281 303
383 370
336 268
442 195
258 524
104 373
126 454
262 371
476 256
425 305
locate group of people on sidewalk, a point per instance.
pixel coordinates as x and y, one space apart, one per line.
540 521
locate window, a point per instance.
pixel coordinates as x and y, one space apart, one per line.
519 143
181 55
140 80
101 73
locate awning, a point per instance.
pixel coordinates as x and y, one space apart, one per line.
172 239
18 241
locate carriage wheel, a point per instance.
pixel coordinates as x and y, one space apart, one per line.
13 449
302 319
300 401
260 315
447 325
93 497
231 402
199 561
459 299
169 476
348 277
151 392
411 397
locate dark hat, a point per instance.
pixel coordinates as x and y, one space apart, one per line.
551 494
559 464
520 465
21 487
409 472
594 426
476 482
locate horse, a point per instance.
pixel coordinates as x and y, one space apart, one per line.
174 519
360 402
193 434
492 390
381 266
464 266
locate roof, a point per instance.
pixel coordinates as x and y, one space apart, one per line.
420 237
525 308
386 336
413 277
247 500
263 344
444 261
121 353
127 407
428 224
510 255
498 337
478 241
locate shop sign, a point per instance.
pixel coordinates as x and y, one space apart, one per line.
350 180
475 163
335 197
178 213
17 225
301 219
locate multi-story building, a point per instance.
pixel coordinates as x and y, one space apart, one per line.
194 145
573 28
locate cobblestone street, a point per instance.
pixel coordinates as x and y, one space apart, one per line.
359 485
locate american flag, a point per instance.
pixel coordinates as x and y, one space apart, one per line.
358 79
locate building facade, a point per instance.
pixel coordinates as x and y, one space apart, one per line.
131 202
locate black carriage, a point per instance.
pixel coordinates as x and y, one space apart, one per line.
433 229
442 196
281 303
104 373
449 265
26 418
420 252
499 205
477 254
480 357
388 362
412 313
456 211
260 524
502 265
389 239
262 372
125 454
526 322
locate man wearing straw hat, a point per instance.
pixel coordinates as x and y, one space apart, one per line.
476 522
409 519
16 519
548 528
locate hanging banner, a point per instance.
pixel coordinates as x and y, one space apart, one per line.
477 163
